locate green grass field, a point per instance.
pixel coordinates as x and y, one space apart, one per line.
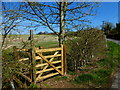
45 41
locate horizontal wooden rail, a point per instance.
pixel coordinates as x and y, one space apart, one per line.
49 63
23 59
47 76
50 56
50 69
48 50
39 65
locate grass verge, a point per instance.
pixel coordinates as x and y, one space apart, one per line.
101 75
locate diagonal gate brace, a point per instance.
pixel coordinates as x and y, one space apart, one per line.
49 63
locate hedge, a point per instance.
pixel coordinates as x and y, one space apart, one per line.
84 47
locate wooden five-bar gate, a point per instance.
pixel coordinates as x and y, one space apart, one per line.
53 63
43 63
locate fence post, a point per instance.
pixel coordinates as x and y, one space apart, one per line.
63 63
33 62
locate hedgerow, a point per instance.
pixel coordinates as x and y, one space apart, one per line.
84 47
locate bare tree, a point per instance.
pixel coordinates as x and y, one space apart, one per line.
59 17
10 21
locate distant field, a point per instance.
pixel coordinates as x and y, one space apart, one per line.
45 41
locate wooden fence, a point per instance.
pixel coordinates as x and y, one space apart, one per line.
43 63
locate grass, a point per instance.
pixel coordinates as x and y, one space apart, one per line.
114 50
99 76
102 75
106 67
84 78
46 85
61 77
33 86
71 72
45 41
47 44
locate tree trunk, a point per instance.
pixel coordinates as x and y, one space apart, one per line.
61 37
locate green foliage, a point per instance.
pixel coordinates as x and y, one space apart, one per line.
107 63
85 46
71 72
11 66
84 78
102 72
33 86
115 32
6 85
107 27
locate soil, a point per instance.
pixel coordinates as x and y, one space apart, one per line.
61 82
55 83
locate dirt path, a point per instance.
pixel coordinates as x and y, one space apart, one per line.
61 82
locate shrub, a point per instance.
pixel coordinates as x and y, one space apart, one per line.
83 47
11 67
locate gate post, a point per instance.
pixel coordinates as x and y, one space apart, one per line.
33 62
64 66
